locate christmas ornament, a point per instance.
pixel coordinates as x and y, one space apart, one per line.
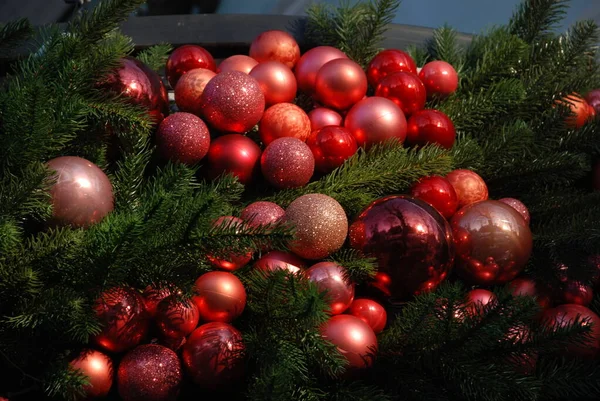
331 146
81 194
564 315
493 242
277 82
262 213
405 89
284 120
591 113
153 294
579 110
214 355
186 58
371 312
233 261
275 45
440 78
176 318
527 287
238 62
430 126
518 206
469 186
593 99
98 368
220 296
321 226
149 372
576 292
233 154
278 260
388 62
374 120
183 137
287 163
411 241
310 63
438 192
123 317
354 338
322 117
340 83
232 101
478 299
330 278
189 89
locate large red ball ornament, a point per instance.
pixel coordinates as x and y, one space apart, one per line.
233 154
579 110
469 186
440 78
277 82
564 315
176 318
331 146
238 62
98 368
189 89
527 287
186 58
493 242
477 299
405 89
576 292
284 120
371 312
388 62
311 62
518 206
593 99
354 338
374 120
81 194
287 163
275 45
438 192
183 138
431 126
278 260
330 278
235 260
322 117
220 296
262 213
233 102
340 83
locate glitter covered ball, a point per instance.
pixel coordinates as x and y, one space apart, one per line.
370 312
388 62
331 278
238 62
354 338
98 368
233 261
220 296
275 45
189 89
331 146
277 82
287 163
311 62
262 213
518 206
322 117
284 120
233 154
340 83
375 120
278 260
469 186
321 225
183 138
186 58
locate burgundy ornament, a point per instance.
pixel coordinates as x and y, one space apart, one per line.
322 117
388 62
593 99
311 62
438 192
340 83
330 277
235 154
278 260
331 146
277 82
527 287
152 295
518 206
183 138
176 318
405 89
354 338
233 261
186 58
477 299
564 315
370 312
374 120
238 62
430 126
440 78
275 45
576 292
189 89
287 163
262 213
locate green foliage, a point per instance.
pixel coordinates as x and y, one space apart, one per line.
359 268
534 19
155 56
444 46
12 34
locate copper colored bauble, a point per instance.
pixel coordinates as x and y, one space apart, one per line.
564 315
579 110
322 117
278 260
277 81
405 89
238 62
176 318
576 292
150 372
284 120
233 261
438 192
275 45
321 226
98 368
411 241
469 186
493 242
431 126
330 278
183 138
189 89
233 102
518 206
287 163
152 296
262 213
375 120
186 58
331 146
593 99
214 355
311 62
123 317
440 78
233 154
354 338
478 299
388 62
527 287
340 83
220 296
370 312
81 194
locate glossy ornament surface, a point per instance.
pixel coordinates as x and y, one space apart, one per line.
469 186
237 62
567 314
527 287
579 109
370 312
183 138
374 120
278 260
176 318
310 63
236 154
98 368
277 81
189 89
152 296
431 127
354 338
576 292
329 277
388 62
275 45
233 261
284 120
186 58
593 99
478 299
405 89
440 78
220 296
287 163
331 146
438 192
340 83
322 116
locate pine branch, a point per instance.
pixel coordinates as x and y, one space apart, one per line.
444 46
419 54
14 33
359 268
533 19
156 56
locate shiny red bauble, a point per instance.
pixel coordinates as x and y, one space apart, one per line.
527 287
469 186
405 89
262 213
388 62
277 82
287 163
176 318
374 120
186 58
275 45
354 338
478 299
310 63
331 278
278 260
238 62
340 83
440 78
518 206
564 315
322 117
219 296
438 192
189 89
576 292
579 110
183 138
284 120
233 261
370 312
98 368
331 146
430 126
153 294
233 154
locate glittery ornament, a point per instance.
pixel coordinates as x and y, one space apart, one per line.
564 315
238 62
233 261
220 296
340 83
186 58
330 278
518 206
275 45
277 82
310 63
388 62
278 260
322 117
176 318
478 299
184 138
262 213
527 287
440 78
438 192
354 338
576 292
153 294
284 120
430 126
579 110
189 88
371 312
375 120
287 163
469 186
98 368
233 154
331 146
405 89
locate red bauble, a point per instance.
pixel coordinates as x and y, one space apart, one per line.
152 295
150 372
469 186
287 163
232 101
310 63
189 89
579 109
405 89
527 287
183 138
440 78
374 120
593 99
262 213
186 58
214 355
238 62
322 117
438 192
277 82
430 126
370 312
340 83
275 46
330 278
176 318
354 338
278 260
591 112
331 146
576 292
220 296
388 62
518 206
233 154
234 261
98 368
477 299
284 120
566 314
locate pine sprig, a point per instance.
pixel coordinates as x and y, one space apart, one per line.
444 46
14 33
155 56
533 19
358 267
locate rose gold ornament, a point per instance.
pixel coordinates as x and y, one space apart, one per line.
98 368
310 63
275 45
220 296
370 312
176 318
469 186
322 117
287 163
262 213
235 260
354 338
340 83
284 120
277 82
238 62
278 260
329 277
375 120
518 206
189 89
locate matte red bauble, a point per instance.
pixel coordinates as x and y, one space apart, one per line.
576 292
152 296
150 372
214 355
374 120
405 89
310 63
98 368
220 296
278 260
123 317
469 186
330 278
440 78
354 338
438 192
331 146
189 89
284 120
81 194
238 62
478 299
371 312
262 213
233 261
233 102
322 117
524 286
411 241
277 81
340 83
275 45
176 318
233 154
564 315
183 138
593 99
493 242
430 126
388 62
518 206
287 163
186 58
579 109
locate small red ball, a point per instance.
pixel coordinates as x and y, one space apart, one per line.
322 117
576 292
186 58
275 45
98 368
183 138
233 261
284 120
431 126
310 63
440 78
330 277
238 62
579 110
438 192
220 296
331 146
518 206
564 315
189 88
236 154
469 186
262 213
176 318
287 163
388 62
526 287
153 294
405 89
477 299
275 260
340 83
354 338
375 120
370 312
277 82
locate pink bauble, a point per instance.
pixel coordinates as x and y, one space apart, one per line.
277 82
287 163
278 260
330 277
284 120
183 138
375 120
322 117
238 62
310 63
262 213
340 83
